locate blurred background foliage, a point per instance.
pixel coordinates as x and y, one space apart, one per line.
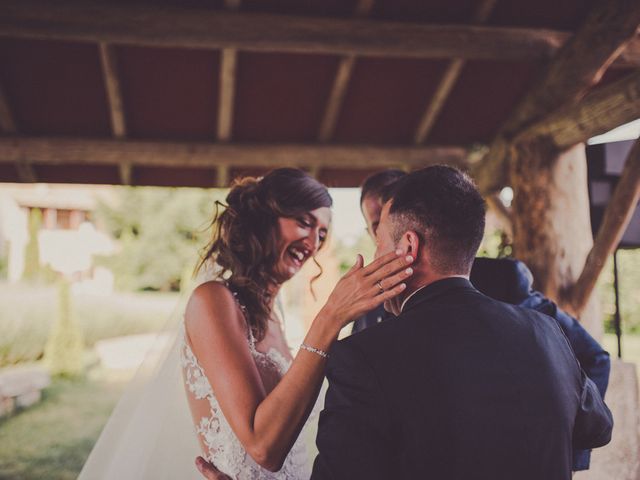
160 232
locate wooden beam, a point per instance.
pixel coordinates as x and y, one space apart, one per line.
59 151
114 92
599 112
222 176
630 56
125 170
577 67
340 83
172 26
228 62
440 97
616 218
26 173
336 98
7 120
227 93
314 172
448 81
232 4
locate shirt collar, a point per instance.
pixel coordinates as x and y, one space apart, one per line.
432 289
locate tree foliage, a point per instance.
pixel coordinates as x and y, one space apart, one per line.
160 232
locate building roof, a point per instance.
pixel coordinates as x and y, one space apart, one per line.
195 93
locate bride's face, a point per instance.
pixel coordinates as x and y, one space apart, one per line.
299 238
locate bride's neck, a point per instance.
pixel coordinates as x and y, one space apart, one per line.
273 290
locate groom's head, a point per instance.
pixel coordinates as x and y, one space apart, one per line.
437 215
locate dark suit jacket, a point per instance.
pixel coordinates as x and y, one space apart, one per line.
459 386
371 318
510 280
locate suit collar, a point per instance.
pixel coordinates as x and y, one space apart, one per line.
432 290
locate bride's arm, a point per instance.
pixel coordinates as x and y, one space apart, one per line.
268 425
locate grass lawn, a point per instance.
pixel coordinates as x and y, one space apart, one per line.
53 438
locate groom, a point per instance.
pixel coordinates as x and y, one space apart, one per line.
458 386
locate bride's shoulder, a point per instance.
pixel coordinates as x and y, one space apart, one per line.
210 301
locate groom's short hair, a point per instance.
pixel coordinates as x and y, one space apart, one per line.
443 206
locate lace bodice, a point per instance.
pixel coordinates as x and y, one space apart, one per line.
220 442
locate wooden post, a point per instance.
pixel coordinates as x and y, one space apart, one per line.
551 223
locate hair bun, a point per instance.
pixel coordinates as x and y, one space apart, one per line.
246 195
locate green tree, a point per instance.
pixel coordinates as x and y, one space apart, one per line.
64 350
160 232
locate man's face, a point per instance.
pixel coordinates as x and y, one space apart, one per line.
384 238
371 209
385 244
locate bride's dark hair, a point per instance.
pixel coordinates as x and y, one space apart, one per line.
245 234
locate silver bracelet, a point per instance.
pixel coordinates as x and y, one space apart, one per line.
317 351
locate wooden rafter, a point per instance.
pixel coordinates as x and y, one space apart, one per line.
579 65
222 176
340 83
56 151
448 81
125 170
616 218
114 92
438 100
26 173
116 104
228 62
170 26
227 93
599 112
232 4
336 98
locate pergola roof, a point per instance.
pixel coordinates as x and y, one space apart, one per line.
194 93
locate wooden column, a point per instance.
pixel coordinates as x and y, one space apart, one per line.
551 224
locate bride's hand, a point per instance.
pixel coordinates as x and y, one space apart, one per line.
363 288
209 470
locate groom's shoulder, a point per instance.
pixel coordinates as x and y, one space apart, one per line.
370 338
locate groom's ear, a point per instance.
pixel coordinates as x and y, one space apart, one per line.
411 241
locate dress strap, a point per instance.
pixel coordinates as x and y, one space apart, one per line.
245 313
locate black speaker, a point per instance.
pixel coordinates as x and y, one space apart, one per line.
604 166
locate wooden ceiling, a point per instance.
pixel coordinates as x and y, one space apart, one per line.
194 93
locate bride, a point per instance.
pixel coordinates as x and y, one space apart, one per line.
249 398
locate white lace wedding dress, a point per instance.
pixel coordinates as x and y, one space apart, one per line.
222 446
151 436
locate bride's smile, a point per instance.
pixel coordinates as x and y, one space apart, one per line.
299 239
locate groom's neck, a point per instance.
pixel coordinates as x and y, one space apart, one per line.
420 279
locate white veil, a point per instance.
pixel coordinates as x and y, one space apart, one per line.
150 434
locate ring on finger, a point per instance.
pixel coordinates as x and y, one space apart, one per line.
380 286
